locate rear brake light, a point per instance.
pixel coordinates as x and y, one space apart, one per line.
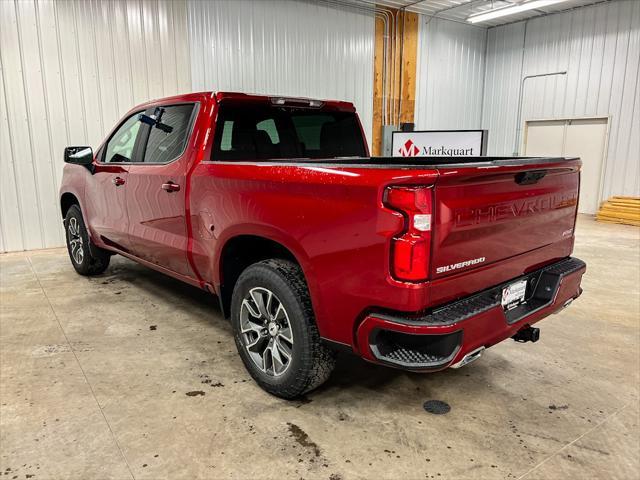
297 102
410 247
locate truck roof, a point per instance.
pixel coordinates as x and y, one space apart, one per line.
268 99
254 98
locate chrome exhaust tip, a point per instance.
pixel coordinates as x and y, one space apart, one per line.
564 305
468 358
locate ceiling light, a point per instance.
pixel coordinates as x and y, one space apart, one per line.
511 10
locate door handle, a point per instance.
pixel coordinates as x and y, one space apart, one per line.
118 181
170 187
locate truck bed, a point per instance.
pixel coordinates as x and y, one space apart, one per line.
416 162
490 223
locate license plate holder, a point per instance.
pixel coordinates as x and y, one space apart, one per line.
514 294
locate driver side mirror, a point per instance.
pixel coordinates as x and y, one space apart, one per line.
78 155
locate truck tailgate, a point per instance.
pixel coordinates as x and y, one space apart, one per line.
485 214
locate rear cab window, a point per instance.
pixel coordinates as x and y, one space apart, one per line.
249 132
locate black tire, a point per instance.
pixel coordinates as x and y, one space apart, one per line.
86 258
311 361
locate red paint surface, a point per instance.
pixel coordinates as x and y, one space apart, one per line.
483 330
332 219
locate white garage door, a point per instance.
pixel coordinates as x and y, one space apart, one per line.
581 137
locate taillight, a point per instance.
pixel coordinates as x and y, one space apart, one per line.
410 247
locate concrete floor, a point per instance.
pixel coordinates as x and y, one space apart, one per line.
96 375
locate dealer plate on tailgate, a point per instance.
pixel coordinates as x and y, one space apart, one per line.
513 294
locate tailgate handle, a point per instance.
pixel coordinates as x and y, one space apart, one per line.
528 178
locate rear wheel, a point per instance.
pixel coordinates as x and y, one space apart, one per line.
86 258
275 331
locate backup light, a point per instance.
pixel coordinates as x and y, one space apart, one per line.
422 222
511 10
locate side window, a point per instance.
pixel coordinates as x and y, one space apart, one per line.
120 146
166 144
269 126
227 132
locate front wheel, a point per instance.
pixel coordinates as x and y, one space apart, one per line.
86 258
275 331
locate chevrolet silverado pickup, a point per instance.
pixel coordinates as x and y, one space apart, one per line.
274 205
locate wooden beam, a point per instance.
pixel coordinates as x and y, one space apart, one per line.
400 73
376 134
409 67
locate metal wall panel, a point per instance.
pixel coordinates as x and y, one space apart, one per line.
69 70
285 48
599 46
503 73
450 76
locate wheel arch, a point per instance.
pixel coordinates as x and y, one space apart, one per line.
240 251
67 200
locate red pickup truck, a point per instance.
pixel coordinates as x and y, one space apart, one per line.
274 205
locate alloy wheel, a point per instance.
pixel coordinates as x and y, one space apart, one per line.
266 331
75 240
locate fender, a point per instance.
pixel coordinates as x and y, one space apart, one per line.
283 238
268 232
73 182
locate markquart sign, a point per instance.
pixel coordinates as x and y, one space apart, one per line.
440 143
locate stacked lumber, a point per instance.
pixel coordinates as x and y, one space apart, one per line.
620 210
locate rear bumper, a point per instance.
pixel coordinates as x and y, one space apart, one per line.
445 335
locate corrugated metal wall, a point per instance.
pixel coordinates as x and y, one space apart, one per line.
285 48
599 46
503 74
69 70
450 75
